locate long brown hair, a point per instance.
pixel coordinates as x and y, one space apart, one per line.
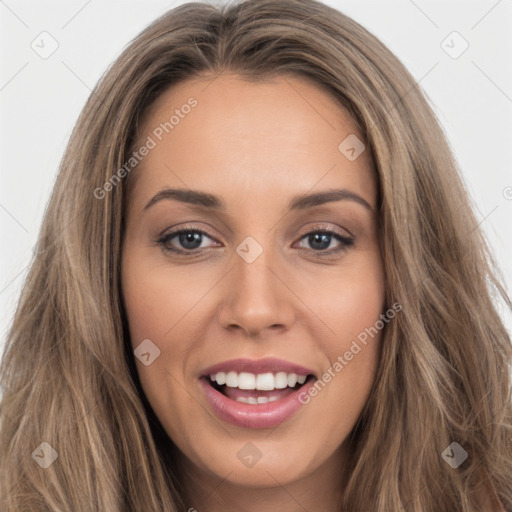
68 375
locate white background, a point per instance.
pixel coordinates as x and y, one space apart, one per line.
40 100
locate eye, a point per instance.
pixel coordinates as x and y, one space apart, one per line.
321 239
189 239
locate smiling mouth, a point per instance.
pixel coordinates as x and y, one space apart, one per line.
255 389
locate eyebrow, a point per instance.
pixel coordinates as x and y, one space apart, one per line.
301 202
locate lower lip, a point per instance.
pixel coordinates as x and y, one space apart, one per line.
267 415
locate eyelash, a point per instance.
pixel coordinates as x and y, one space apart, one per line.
346 242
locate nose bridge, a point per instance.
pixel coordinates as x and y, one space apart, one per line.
256 298
254 281
253 269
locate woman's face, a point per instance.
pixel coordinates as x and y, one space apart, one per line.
258 296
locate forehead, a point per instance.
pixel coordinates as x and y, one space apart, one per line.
224 133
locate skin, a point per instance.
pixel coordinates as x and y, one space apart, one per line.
255 145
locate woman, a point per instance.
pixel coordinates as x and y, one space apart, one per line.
259 285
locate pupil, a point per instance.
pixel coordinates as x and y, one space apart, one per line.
323 239
188 240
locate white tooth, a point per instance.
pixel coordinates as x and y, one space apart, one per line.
292 379
246 380
242 399
262 399
232 379
220 378
212 377
252 400
265 382
301 379
281 380
273 398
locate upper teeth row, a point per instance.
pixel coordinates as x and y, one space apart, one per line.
261 381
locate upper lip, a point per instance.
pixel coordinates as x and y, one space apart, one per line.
264 365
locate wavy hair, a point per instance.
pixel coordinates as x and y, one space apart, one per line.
68 374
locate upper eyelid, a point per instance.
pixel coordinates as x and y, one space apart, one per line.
319 227
177 231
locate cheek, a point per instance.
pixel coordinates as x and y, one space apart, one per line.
352 308
156 299
156 304
351 301
164 306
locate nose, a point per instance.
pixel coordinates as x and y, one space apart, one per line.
257 297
